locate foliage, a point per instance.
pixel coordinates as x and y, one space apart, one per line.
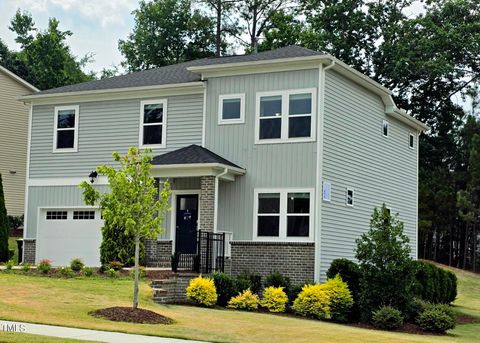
76 264
4 230
313 301
26 267
250 281
274 299
225 286
132 202
15 222
387 318
10 264
435 320
341 300
294 292
385 264
87 271
112 273
244 301
119 245
44 266
202 291
66 272
115 265
142 273
434 284
277 279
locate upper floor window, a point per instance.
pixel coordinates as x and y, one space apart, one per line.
65 129
153 123
231 109
385 128
349 197
411 140
285 116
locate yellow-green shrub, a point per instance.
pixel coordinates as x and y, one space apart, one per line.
274 299
244 301
202 291
341 300
313 301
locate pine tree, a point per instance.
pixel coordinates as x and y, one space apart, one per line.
3 226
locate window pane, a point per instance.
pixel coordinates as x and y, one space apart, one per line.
271 106
269 203
298 203
299 126
188 204
231 109
270 128
349 197
411 141
153 113
65 139
385 128
300 104
268 226
152 134
66 119
298 226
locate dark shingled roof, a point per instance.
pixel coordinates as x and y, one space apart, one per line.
192 154
178 73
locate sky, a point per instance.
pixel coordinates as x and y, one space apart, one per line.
97 25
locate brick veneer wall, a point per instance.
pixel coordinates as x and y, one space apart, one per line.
207 202
29 249
158 253
294 259
173 289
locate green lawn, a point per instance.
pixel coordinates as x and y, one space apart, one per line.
15 337
12 244
67 302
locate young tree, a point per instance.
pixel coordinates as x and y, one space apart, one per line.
131 203
4 229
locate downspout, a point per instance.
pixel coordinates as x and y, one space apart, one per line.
319 167
215 209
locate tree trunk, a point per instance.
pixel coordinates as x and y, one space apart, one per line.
137 258
450 243
218 36
253 36
475 247
465 248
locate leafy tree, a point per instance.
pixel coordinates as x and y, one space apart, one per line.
284 29
4 229
167 32
224 22
384 258
132 201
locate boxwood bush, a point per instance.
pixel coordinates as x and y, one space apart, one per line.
76 264
225 286
387 318
435 319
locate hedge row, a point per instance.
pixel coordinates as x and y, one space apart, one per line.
434 284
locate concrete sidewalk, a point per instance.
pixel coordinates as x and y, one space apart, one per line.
84 334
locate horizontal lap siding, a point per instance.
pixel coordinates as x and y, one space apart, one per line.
108 126
380 169
268 166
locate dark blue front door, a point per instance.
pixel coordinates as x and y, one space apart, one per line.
186 224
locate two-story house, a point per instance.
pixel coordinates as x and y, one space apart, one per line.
288 151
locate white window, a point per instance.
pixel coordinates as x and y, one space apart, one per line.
283 214
231 109
80 215
285 116
153 123
349 197
411 140
385 127
65 137
56 215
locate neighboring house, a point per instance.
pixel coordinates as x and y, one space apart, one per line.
288 151
13 139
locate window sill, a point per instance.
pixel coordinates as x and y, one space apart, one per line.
284 141
233 122
64 151
153 146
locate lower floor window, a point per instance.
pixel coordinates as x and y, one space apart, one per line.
83 215
283 214
56 215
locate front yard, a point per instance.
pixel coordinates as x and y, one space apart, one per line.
67 301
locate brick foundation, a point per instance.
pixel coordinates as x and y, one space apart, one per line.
207 202
293 259
29 250
158 253
172 290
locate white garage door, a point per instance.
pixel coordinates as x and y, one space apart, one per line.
64 234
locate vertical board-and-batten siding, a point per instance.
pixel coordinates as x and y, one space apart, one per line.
107 126
13 142
267 165
356 154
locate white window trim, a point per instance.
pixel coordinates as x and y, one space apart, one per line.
410 136
388 128
222 97
76 108
164 124
346 197
285 104
282 234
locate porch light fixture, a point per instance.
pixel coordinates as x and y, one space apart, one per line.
93 175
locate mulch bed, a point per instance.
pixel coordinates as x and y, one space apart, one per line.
131 315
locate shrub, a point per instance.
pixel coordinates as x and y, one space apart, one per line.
76 264
244 301
26 267
293 293
112 273
385 265
350 273
416 307
66 272
341 300
115 265
87 271
202 291
10 264
274 299
435 320
249 281
276 279
142 273
312 301
387 318
14 222
44 266
225 286
434 284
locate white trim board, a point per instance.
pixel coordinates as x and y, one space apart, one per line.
57 109
64 181
163 144
221 98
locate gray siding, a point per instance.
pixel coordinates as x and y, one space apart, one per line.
355 154
267 165
107 126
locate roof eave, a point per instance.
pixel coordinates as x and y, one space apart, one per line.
232 169
19 79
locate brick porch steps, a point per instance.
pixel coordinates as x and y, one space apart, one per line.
171 290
